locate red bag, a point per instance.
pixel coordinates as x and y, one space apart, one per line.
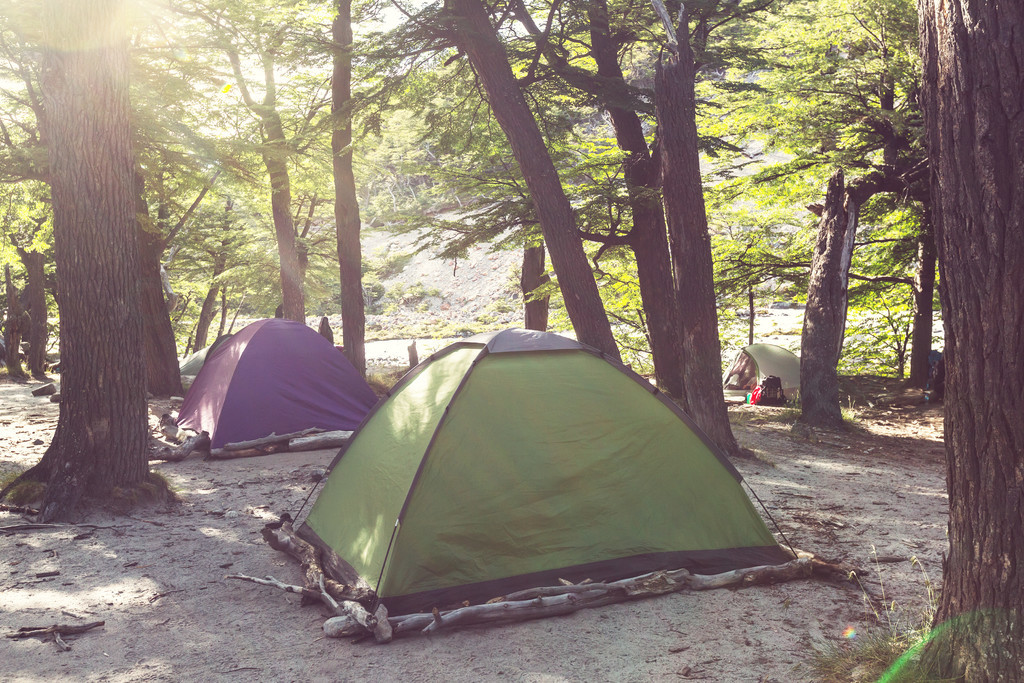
755 396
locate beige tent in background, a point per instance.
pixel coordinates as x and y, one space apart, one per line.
755 362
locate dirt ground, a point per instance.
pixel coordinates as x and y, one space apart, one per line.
156 577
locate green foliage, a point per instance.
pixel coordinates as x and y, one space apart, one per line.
878 334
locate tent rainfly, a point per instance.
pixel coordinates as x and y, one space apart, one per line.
515 459
274 376
755 362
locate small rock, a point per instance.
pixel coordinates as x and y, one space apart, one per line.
45 390
38 442
231 514
55 398
317 474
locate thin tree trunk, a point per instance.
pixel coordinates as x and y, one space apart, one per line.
583 303
206 313
752 311
100 441
159 348
825 316
35 288
924 294
346 204
223 310
293 304
972 53
18 324
675 107
648 237
275 157
534 275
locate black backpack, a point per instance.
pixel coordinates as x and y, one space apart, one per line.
771 392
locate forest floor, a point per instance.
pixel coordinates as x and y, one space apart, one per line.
873 496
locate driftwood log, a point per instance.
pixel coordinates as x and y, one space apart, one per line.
274 443
547 601
353 620
269 439
267 449
281 536
19 509
315 442
199 443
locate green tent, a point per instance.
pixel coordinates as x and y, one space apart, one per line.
519 458
755 362
192 364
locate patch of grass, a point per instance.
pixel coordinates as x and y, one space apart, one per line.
24 493
381 382
866 658
155 489
889 654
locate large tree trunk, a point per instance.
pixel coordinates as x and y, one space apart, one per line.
478 40
675 107
535 310
648 237
35 288
102 431
972 54
924 295
825 317
346 205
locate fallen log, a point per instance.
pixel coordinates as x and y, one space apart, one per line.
199 443
269 439
533 603
549 601
19 509
267 449
281 536
335 439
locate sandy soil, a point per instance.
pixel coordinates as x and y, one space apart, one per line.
156 577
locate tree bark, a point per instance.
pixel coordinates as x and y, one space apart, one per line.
825 317
293 300
478 40
972 53
210 302
159 348
535 310
275 158
346 204
102 432
18 324
35 290
690 243
648 237
924 294
751 312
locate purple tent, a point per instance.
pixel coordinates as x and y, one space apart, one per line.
274 376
